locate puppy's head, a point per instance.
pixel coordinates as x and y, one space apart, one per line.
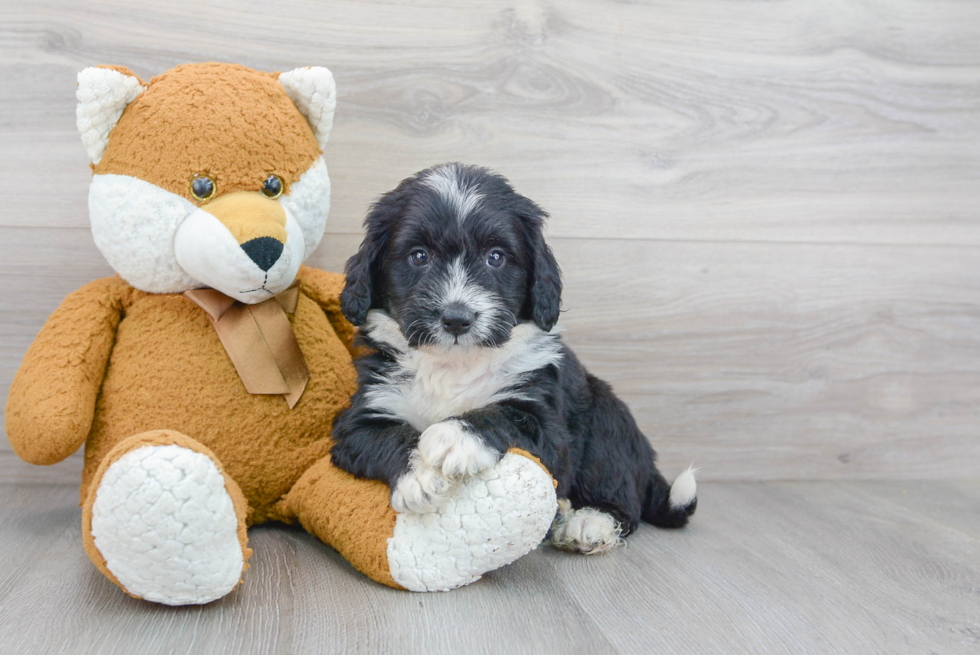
456 257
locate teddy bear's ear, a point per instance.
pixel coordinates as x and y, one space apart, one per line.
314 93
102 94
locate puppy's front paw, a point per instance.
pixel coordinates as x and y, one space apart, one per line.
452 448
421 490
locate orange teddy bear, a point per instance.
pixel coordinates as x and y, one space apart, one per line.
203 380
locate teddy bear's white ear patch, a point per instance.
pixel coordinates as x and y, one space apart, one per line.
102 94
314 93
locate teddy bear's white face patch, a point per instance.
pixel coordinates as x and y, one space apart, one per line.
309 203
161 242
133 224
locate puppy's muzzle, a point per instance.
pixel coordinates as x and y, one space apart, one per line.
257 223
457 320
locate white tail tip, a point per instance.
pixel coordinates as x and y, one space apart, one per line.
684 490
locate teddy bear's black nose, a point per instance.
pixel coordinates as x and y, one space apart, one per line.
264 251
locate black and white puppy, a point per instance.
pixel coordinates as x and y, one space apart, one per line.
457 294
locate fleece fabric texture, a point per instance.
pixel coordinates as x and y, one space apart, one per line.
166 343
315 94
429 552
130 350
138 527
103 94
357 525
229 122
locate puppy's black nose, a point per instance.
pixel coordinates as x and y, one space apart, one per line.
457 320
264 251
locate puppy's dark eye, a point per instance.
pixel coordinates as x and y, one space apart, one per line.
272 188
203 187
496 259
419 258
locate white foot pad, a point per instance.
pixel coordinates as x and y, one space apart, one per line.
491 520
166 526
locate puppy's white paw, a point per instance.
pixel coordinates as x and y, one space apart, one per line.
421 490
586 530
449 446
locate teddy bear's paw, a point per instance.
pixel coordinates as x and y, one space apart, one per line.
491 520
453 448
166 526
422 490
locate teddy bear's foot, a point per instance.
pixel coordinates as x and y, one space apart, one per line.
492 519
165 523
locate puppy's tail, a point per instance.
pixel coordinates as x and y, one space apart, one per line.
669 505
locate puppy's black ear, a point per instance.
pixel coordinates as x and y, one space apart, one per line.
544 297
546 289
358 293
363 268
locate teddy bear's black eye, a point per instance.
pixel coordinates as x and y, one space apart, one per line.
203 187
272 187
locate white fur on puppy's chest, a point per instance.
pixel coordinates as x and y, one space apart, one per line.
435 383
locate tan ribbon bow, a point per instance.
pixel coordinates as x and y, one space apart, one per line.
259 341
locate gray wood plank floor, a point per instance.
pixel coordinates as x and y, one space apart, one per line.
793 567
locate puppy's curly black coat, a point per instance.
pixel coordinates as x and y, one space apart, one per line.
454 268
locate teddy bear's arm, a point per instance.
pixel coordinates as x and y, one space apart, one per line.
52 397
324 288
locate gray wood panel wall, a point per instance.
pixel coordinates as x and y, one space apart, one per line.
767 212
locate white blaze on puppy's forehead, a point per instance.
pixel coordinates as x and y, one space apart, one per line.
446 181
458 290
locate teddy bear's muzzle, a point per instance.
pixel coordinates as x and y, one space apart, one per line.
249 214
257 223
243 244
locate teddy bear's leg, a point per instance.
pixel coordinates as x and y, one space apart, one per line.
493 519
163 521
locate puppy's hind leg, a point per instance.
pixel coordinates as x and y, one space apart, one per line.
586 530
619 471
